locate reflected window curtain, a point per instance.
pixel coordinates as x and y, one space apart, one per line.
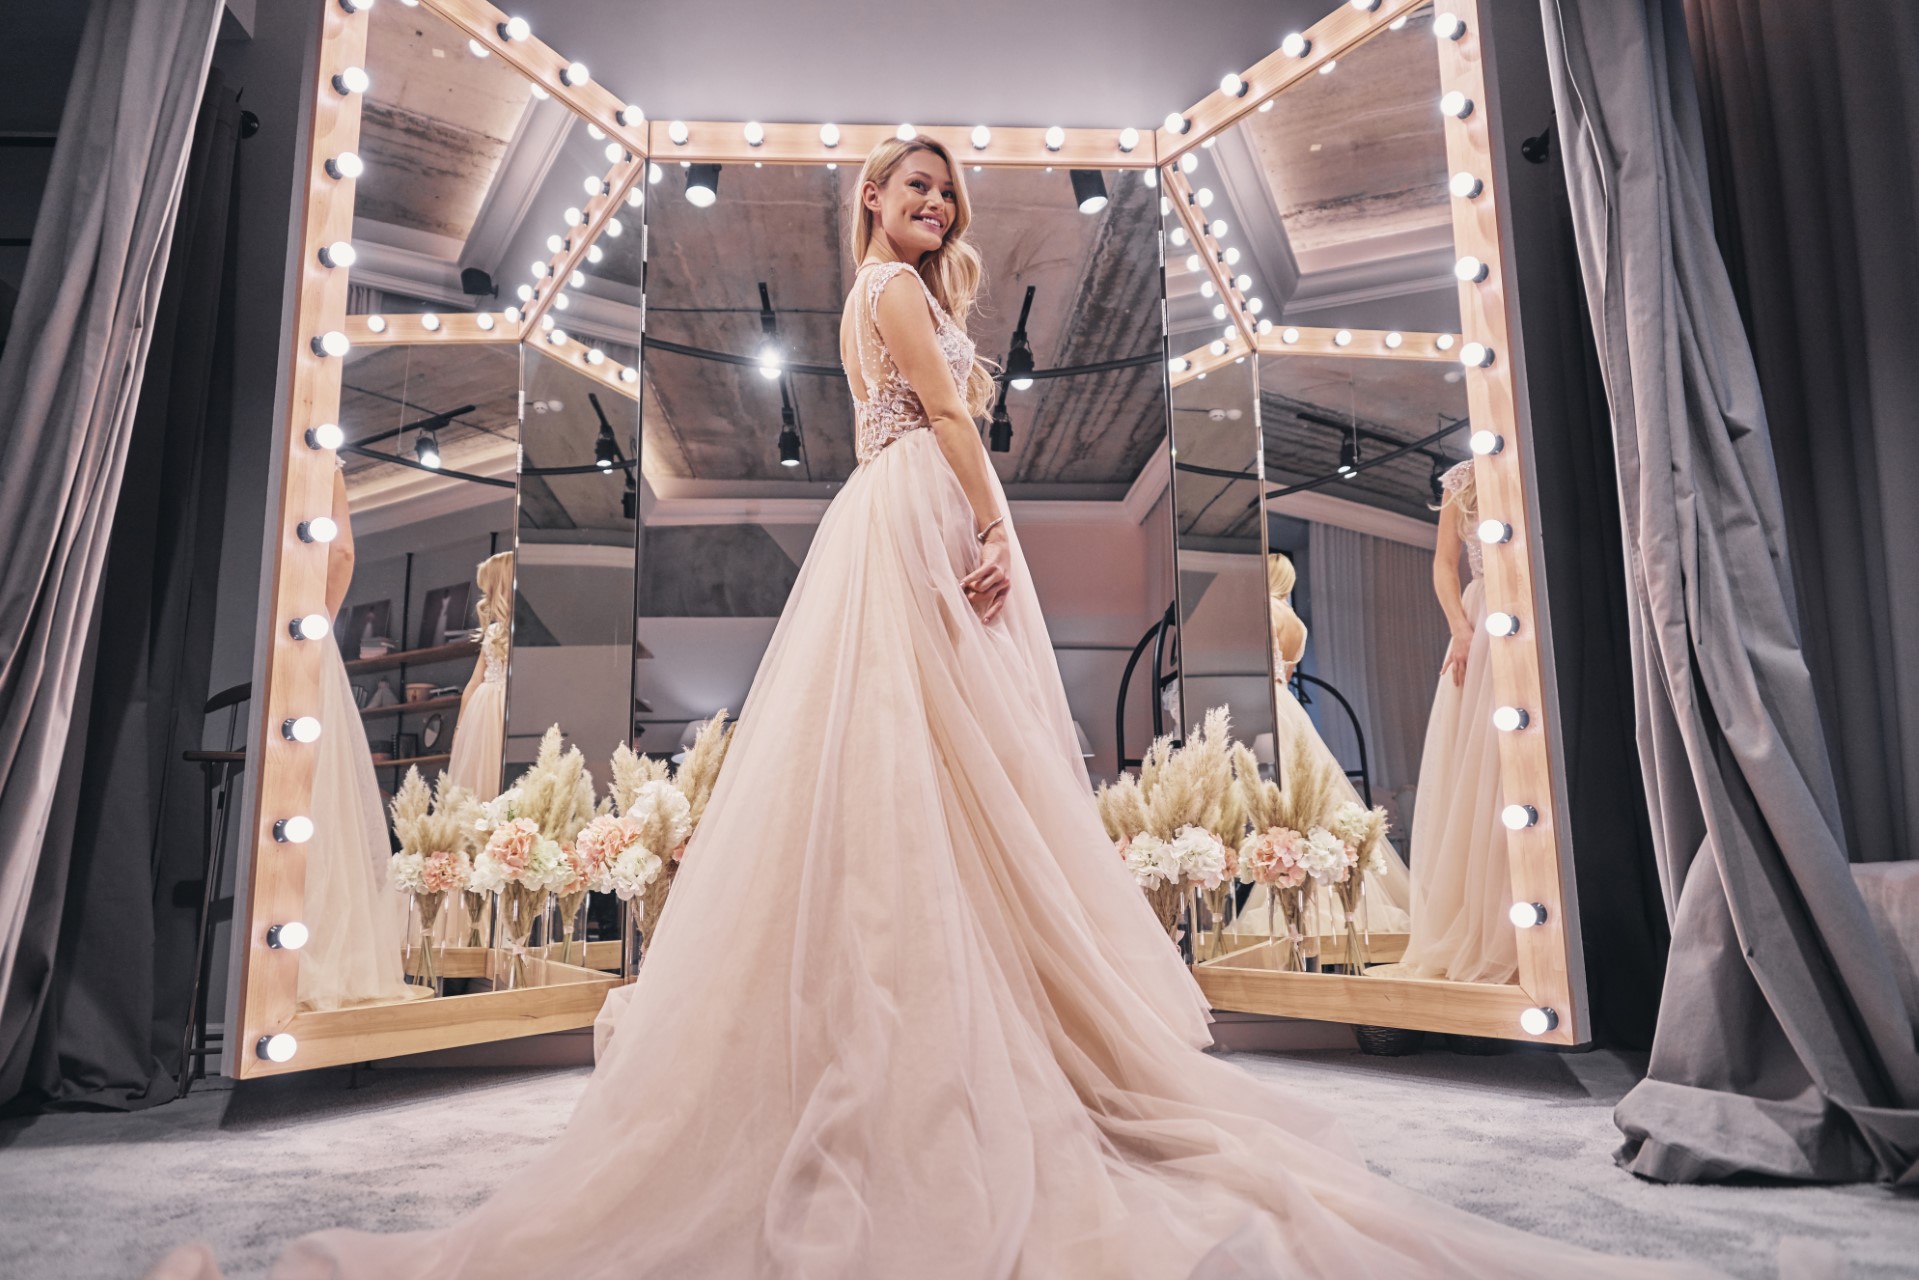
1811 123
364 300
71 380
1378 637
1783 1046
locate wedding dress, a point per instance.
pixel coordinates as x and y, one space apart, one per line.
353 954
1462 884
820 1075
479 736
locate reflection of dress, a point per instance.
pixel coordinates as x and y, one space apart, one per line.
954 1042
1462 885
480 735
353 953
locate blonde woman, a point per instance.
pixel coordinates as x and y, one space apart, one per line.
479 735
1462 884
907 1015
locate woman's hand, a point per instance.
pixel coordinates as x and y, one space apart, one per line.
1456 652
987 585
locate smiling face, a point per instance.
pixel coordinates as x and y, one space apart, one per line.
916 205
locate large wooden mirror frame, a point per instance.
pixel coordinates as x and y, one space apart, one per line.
262 1002
1548 1001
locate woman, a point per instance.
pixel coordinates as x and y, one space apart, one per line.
1462 885
834 1081
479 734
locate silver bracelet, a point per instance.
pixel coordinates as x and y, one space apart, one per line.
994 523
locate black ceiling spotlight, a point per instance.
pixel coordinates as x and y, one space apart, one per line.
1438 480
702 184
630 500
1349 456
1019 360
606 448
476 283
789 438
1089 190
999 436
427 449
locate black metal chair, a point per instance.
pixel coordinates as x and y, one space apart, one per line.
1164 637
221 770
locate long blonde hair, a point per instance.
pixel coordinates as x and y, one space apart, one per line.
495 579
1464 493
954 271
1280 576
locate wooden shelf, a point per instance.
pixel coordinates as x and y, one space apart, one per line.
414 657
405 708
424 762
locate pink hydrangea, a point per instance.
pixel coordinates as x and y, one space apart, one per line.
512 843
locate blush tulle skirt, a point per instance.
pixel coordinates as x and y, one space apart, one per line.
818 1074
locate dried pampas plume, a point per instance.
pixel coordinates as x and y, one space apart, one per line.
444 820
557 792
632 771
701 768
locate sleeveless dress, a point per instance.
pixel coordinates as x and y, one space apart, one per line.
819 1074
1462 882
479 736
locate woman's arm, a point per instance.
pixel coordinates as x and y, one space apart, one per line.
339 552
1446 587
905 322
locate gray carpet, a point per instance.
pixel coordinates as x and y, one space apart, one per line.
1523 1138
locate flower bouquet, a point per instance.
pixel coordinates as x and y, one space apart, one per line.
1361 832
436 835
526 855
1280 852
655 811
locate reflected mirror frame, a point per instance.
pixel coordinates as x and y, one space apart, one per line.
1551 963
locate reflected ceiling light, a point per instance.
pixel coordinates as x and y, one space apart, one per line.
325 436
302 729
702 185
677 132
999 435
1470 270
1495 531
772 363
1349 457
1233 85
1484 443
1192 262
829 135
513 29
1527 915
346 165
290 936
427 450
311 627
280 1047
1289 336
1176 123
1177 235
1188 162
332 343
1537 1022
1456 104
573 74
906 133
1055 138
606 450
1502 625
295 830
1089 190
430 322
1510 719
1475 355
478 50
1326 68
1465 185
631 116
376 323
352 80
1295 45
1449 26
789 438
754 132
1128 139
594 253
614 230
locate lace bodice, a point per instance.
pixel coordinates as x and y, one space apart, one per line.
891 407
493 650
1457 485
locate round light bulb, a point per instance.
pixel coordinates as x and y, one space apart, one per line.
614 229
1470 270
313 626
1128 139
677 131
295 830
1231 256
1218 228
1344 338
1444 342
1233 85
525 293
1329 66
1510 719
1264 326
1206 289
300 729
653 175
1193 262
346 165
556 336
1295 45
280 1047
1475 355
1456 104
1176 123
430 322
574 74
829 135
1465 185
1537 1022
485 321
1289 336
1055 138
1254 306
540 269
1527 915
1217 347
629 374
555 243
572 217
636 196
577 280
352 80
594 253
593 184
906 133
514 29
615 153
1365 6
478 50
596 356
1242 282
1188 162
1449 26
332 343
1395 340
325 436
1204 196
512 315
1502 624
376 324
290 936
1495 531
318 529
1219 311
754 132
1517 817
357 6
631 116
1177 364
1484 442
1177 236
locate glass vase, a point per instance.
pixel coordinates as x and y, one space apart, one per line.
424 970
1215 907
632 940
476 905
520 908
570 910
1351 896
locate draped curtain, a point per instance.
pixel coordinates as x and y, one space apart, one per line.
1378 637
70 381
1783 1047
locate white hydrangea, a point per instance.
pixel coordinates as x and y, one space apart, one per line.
660 801
1201 856
635 868
1376 862
404 871
1324 856
1152 861
1351 823
497 811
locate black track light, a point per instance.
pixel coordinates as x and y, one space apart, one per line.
1349 457
1089 190
476 283
427 450
1000 435
789 439
630 500
1438 480
702 184
606 451
1019 360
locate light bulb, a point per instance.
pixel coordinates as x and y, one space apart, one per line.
1242 282
594 185
556 336
594 253
514 29
1128 139
1344 338
771 365
1329 66
1470 270
636 196
356 6
1177 235
1399 23
430 322
512 315
332 343
1518 817
1254 306
1289 336
572 217
1021 384
1204 196
280 1047
1232 85
1188 162
300 729
295 830
539 93
754 132
546 322
1495 531
1176 123
631 116
1510 719
484 321
525 292
1475 355
318 529
540 269
1537 1022
1219 311
629 374
345 165
596 356
1218 228
352 80
1502 624
310 627
1206 289
290 936
1295 45
1177 364
1394 340
615 153
1527 915
1486 442
1365 6
614 229
555 243
1055 138
1465 185
906 133
1217 347
677 131
1232 332
577 280
1456 104
574 73
1192 262
478 50
325 436
653 174
1449 26
376 324
1231 256
1444 342
1264 326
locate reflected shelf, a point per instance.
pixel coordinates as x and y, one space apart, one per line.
414 657
406 708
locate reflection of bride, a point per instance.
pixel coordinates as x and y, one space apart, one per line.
1384 906
353 951
479 734
906 1014
1462 886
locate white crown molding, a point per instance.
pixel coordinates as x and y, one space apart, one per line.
1147 486
1323 508
405 272
530 155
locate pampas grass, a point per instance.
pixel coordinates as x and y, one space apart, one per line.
444 820
556 793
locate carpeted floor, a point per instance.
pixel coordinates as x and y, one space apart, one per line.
1524 1138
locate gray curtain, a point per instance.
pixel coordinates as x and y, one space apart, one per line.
69 384
1783 1047
1811 122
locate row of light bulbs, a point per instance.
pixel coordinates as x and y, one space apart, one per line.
679 133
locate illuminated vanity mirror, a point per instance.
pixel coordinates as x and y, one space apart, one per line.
1352 281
